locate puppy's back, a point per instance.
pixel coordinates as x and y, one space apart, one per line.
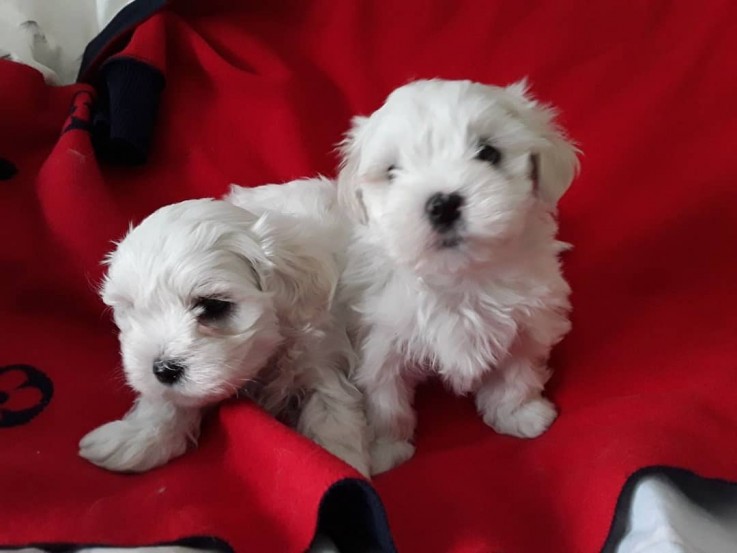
311 198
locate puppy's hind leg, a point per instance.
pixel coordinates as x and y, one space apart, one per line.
333 416
153 432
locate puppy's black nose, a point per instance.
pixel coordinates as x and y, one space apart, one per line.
168 372
443 210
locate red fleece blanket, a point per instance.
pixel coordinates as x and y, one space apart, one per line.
260 91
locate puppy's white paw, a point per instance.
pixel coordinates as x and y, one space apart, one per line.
529 420
387 454
124 446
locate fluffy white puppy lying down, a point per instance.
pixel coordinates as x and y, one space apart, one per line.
213 300
454 266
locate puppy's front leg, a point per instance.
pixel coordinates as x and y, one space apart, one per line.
510 397
153 432
388 396
333 416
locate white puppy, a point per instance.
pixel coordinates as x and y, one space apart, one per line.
454 268
213 300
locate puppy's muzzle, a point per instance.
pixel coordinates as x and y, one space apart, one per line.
444 210
168 372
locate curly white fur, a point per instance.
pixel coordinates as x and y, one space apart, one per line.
268 262
479 301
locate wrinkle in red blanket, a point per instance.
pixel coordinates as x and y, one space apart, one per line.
260 92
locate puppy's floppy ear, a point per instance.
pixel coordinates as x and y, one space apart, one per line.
295 265
349 187
554 162
106 289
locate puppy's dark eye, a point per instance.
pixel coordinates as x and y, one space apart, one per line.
489 154
212 309
390 171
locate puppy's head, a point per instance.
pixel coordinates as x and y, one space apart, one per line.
196 291
445 170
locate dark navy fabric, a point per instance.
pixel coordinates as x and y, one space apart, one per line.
104 45
353 517
7 169
205 543
125 114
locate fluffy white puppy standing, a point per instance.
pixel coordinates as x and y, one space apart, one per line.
212 300
454 267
